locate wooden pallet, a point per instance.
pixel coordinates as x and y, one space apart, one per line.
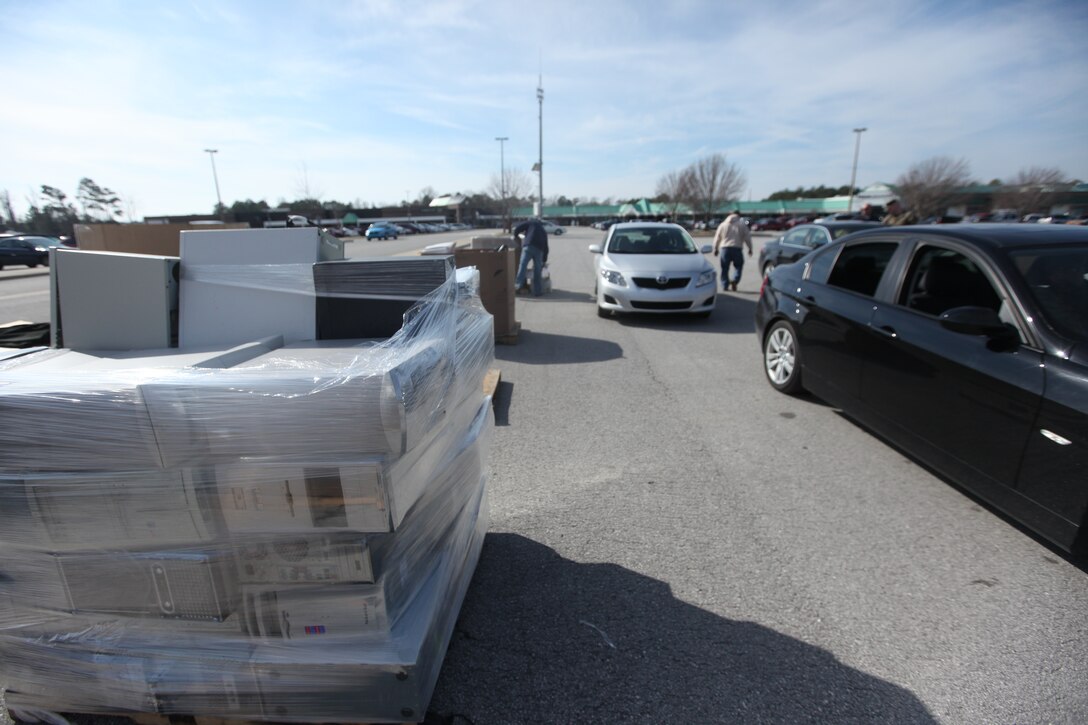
510 338
491 381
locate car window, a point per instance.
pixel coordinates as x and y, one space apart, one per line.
859 267
940 279
795 237
652 241
1058 282
817 237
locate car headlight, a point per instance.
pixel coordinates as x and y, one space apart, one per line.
705 278
613 277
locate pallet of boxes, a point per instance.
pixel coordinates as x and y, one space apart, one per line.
274 518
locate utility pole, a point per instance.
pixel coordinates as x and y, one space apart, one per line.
502 175
854 172
219 200
540 154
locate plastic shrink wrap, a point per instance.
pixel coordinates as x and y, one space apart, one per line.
260 530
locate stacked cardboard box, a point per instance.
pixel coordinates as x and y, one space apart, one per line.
259 530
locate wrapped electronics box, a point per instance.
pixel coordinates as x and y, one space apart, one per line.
264 527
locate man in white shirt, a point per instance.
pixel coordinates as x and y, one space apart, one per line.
731 238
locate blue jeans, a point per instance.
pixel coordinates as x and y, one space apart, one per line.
536 255
736 256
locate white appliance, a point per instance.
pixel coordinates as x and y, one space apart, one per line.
129 509
303 560
238 284
112 300
63 410
289 498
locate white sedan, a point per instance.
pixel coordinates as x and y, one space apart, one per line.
655 268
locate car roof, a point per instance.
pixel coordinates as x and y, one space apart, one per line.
645 225
1005 236
844 224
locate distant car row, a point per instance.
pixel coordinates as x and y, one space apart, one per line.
391 230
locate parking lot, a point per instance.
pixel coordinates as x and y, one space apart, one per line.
673 541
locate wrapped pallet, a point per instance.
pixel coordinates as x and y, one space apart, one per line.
263 531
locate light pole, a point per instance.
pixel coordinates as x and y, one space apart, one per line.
540 154
854 172
219 200
502 165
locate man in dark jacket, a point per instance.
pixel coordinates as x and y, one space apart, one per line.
534 247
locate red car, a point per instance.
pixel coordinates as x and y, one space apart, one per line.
767 224
798 220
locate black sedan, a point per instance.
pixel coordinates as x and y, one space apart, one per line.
26 250
966 346
802 239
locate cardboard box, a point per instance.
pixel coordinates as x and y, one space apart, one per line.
497 262
161 239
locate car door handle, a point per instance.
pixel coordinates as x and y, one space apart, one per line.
886 330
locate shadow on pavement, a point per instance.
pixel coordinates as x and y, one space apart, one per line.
542 639
545 348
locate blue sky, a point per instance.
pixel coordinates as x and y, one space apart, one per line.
371 101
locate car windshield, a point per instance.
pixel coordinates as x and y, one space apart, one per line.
649 240
1058 280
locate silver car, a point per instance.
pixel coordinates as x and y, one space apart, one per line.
655 268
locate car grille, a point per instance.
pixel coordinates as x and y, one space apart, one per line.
660 305
651 283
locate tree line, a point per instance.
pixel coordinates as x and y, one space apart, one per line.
928 187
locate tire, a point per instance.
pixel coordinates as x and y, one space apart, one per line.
782 358
602 312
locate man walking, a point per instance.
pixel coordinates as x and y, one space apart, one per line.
534 247
731 238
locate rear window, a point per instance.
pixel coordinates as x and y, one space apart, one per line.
1058 281
859 267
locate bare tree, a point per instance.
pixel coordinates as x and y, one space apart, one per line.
928 187
711 181
1031 190
6 208
509 191
673 187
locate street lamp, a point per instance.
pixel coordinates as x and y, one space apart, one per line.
219 200
854 172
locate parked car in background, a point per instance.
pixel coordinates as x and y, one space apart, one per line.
768 224
1032 218
839 216
653 267
551 227
966 346
1055 219
27 250
801 240
382 230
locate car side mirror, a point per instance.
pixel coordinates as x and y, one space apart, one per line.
706 249
596 249
978 321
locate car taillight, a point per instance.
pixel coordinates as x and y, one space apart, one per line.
763 284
